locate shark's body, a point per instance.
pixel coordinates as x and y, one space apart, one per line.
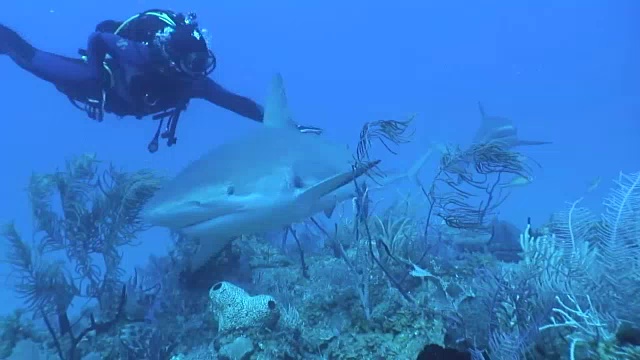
501 129
258 183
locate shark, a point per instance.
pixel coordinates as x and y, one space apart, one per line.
500 129
260 182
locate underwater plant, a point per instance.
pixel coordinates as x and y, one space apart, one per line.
601 274
469 186
369 247
83 216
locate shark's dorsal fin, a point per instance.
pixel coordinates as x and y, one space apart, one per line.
482 112
276 110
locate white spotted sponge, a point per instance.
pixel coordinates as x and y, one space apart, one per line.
235 309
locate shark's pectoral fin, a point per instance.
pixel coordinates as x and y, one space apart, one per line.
335 182
207 249
329 212
412 174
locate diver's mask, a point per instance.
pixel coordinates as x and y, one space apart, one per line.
186 50
197 64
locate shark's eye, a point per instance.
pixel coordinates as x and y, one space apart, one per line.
217 286
230 190
297 182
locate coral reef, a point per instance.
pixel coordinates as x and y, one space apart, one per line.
414 279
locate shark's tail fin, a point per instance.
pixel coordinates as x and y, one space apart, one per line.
411 174
414 170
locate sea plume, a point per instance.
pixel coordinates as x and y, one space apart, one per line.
619 231
573 230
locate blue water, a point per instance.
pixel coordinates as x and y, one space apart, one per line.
566 72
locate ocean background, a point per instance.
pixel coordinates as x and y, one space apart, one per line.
563 71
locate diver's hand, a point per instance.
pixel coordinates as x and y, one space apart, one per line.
95 107
94 110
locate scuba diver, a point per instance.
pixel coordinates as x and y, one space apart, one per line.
152 64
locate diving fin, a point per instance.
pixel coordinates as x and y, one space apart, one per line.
15 46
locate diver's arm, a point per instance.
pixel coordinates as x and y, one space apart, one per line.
213 92
121 49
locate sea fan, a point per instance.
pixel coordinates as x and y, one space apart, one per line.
506 346
543 261
619 230
573 229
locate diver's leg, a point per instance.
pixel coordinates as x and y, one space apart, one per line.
61 71
12 44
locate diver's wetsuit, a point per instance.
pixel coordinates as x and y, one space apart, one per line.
70 75
144 87
136 89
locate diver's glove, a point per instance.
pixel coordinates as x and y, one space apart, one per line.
95 107
309 129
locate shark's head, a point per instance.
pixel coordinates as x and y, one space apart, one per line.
258 183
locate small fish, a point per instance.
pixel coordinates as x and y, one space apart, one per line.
594 184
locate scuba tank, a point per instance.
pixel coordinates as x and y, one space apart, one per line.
143 28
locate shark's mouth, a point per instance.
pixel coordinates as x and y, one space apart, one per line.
196 223
201 219
196 226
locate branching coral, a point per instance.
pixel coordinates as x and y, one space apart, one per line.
587 274
602 264
514 306
99 212
87 215
468 186
387 132
585 323
40 284
398 228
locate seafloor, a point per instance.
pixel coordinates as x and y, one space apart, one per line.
369 287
